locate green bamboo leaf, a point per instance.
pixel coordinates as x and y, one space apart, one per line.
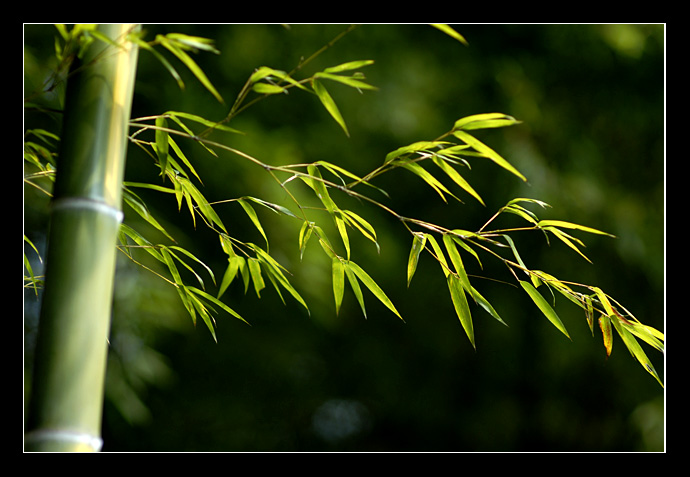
566 239
362 225
456 260
140 208
487 152
278 209
257 278
520 211
354 284
438 253
173 47
429 179
414 148
338 282
276 275
635 349
193 42
190 255
175 115
162 143
544 306
346 80
485 121
418 243
450 32
568 225
166 64
462 309
251 213
304 235
465 246
167 259
342 230
217 302
350 65
267 88
484 303
230 274
329 104
535 280
201 202
456 177
266 72
372 286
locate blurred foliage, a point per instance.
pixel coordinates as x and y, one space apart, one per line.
591 98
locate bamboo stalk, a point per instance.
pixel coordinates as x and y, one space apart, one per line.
65 408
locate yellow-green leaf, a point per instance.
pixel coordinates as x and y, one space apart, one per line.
635 349
329 104
569 225
372 286
450 32
418 243
480 147
544 306
485 121
462 309
338 282
605 326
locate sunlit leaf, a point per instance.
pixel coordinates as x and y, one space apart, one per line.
482 148
350 65
456 177
462 309
217 302
450 32
429 179
485 121
372 286
338 282
456 260
251 213
414 147
162 142
257 278
566 239
354 284
438 253
484 303
635 349
267 88
418 243
568 225
230 274
329 104
544 306
304 235
605 327
346 80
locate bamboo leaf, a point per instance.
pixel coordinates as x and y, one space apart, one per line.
418 243
329 104
275 272
190 255
456 260
257 278
251 213
605 326
484 303
162 143
362 225
438 253
266 88
568 225
350 65
485 121
429 179
304 235
346 80
413 148
480 147
544 306
462 309
229 275
217 302
566 239
635 349
354 284
450 32
338 271
175 115
140 208
456 177
190 64
372 286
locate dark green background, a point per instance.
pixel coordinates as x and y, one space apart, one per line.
591 98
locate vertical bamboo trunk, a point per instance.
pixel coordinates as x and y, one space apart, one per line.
66 402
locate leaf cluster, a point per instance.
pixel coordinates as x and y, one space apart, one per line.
442 164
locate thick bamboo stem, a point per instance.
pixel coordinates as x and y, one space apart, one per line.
66 402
